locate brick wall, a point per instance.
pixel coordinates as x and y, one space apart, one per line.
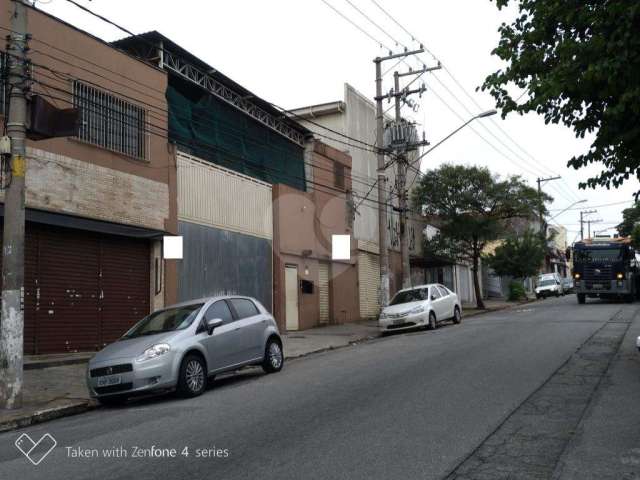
65 185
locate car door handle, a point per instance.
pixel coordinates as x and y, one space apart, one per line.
236 329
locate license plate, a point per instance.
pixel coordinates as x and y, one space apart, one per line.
597 285
398 321
108 381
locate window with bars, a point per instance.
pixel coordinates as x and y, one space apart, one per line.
110 122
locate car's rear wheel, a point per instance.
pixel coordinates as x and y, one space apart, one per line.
433 323
457 316
273 356
113 400
193 376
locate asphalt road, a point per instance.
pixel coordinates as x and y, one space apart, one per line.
408 406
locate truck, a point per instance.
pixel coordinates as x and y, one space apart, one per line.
605 268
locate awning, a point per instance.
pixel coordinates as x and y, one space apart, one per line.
80 223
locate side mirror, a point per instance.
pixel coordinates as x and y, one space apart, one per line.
213 323
433 297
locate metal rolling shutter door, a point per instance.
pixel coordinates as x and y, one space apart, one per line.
68 281
323 289
124 285
368 283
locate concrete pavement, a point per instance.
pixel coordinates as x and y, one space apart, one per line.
415 405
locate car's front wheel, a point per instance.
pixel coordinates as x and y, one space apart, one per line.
433 323
193 376
273 356
457 316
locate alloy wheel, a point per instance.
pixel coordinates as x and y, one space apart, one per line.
195 376
275 355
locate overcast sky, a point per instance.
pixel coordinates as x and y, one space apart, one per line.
301 52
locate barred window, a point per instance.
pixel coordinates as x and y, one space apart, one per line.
110 122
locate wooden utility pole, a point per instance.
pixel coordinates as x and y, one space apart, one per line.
12 317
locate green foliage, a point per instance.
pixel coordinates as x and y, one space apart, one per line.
516 291
630 216
635 237
579 64
472 207
518 257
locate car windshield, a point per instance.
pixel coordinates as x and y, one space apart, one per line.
408 296
165 321
546 283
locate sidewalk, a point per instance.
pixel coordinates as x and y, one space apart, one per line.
54 385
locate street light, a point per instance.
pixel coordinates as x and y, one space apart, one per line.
570 206
486 114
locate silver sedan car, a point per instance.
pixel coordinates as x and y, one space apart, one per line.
180 347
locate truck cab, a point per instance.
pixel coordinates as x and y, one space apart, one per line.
605 269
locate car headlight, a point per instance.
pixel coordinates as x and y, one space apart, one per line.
576 276
383 316
417 310
620 276
154 351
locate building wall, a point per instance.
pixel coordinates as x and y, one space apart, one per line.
303 225
223 262
226 222
67 175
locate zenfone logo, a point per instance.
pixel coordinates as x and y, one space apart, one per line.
36 452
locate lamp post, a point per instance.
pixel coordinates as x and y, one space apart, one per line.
568 208
486 114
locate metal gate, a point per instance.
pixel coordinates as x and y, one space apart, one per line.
368 284
323 290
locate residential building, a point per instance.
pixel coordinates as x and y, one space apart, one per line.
232 148
353 121
556 260
99 202
310 288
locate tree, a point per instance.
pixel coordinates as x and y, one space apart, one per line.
630 216
635 237
578 63
472 207
519 256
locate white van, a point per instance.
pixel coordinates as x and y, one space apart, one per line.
549 284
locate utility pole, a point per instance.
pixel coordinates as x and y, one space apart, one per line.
12 317
401 181
589 222
403 133
382 178
582 213
540 181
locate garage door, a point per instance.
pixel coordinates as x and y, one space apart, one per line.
368 284
82 289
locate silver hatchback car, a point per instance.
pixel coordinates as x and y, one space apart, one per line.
180 347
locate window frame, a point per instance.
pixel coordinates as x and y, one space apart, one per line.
434 288
111 122
235 311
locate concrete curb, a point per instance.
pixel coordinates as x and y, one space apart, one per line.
35 364
497 309
45 415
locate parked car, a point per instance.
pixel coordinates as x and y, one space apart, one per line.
421 306
181 346
549 286
567 285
